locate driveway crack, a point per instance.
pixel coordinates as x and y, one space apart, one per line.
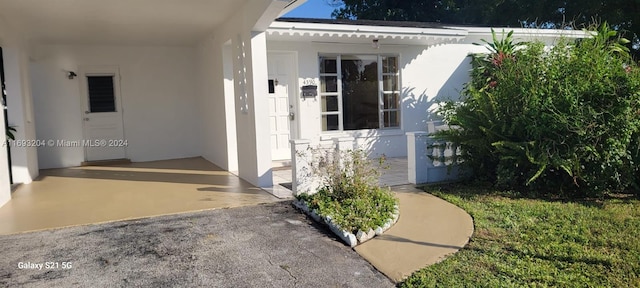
286 268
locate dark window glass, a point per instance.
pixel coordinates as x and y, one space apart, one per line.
389 64
330 122
391 101
389 83
272 86
391 119
360 92
329 84
101 94
328 65
329 103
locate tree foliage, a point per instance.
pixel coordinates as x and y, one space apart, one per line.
394 10
565 119
622 15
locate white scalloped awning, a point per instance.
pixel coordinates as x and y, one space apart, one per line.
344 33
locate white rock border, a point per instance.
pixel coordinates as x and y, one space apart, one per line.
348 237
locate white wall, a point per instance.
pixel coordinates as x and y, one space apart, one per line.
159 101
24 160
428 75
218 115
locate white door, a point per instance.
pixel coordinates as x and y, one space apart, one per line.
282 103
102 114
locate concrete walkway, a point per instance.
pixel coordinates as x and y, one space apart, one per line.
428 230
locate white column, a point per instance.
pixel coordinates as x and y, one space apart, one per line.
229 107
301 173
24 159
343 144
260 84
252 115
418 156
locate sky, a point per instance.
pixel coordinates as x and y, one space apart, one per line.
312 9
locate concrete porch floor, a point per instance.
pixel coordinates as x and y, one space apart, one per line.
95 194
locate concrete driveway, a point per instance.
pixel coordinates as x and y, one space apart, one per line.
269 245
97 194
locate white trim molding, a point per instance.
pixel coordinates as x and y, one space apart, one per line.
336 33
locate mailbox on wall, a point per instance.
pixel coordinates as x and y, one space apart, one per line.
309 91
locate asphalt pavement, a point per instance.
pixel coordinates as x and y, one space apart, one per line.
269 245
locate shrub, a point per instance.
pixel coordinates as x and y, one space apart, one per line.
350 194
546 120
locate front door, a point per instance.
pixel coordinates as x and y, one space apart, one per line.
282 103
102 114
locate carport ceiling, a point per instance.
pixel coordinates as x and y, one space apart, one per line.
145 22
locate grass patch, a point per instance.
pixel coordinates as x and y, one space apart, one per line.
540 243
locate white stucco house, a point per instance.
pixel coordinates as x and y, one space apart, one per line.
222 79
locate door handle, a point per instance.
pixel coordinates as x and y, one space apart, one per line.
86 112
86 119
292 116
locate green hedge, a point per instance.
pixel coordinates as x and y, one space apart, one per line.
561 120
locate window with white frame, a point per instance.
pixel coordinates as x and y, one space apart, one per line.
359 92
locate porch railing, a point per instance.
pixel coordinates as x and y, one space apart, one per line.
303 157
429 160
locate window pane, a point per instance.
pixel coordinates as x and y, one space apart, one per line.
389 64
390 83
101 94
360 92
391 101
391 119
330 122
328 65
329 103
272 86
329 84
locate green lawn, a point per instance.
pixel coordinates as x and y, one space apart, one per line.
540 243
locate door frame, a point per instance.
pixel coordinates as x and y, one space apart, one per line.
294 91
99 70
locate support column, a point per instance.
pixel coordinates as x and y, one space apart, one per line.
20 112
343 144
301 166
252 115
229 107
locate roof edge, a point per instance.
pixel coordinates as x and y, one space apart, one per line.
348 25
